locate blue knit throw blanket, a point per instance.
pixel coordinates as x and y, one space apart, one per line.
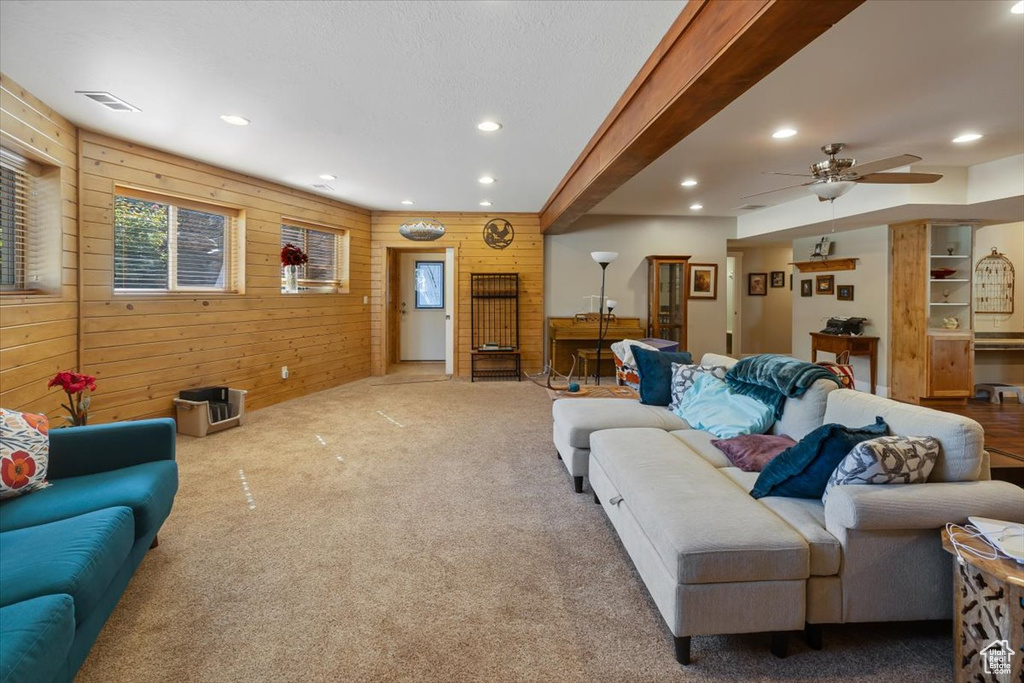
772 378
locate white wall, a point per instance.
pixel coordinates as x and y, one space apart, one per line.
767 321
1001 366
570 273
870 298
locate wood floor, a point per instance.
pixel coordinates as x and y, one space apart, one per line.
1004 434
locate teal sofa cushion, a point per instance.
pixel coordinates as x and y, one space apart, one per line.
35 638
148 489
655 370
78 556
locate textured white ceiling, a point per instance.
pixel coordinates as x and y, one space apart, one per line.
385 95
893 77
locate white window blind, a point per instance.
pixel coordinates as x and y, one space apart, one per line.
173 245
325 249
15 212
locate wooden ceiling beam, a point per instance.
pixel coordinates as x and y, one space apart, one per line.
714 52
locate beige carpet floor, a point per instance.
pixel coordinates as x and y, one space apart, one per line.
422 532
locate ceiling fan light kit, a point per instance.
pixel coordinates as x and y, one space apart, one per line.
831 189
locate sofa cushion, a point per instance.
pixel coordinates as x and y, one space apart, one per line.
699 442
712 406
961 439
704 528
800 416
578 418
752 452
77 556
148 489
684 375
808 518
802 471
35 638
655 368
886 460
24 452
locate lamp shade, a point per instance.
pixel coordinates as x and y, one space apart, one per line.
610 304
604 257
832 189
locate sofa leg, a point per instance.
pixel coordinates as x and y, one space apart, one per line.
155 543
597 501
577 484
780 644
815 637
558 455
683 650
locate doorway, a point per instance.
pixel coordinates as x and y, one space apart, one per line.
420 305
733 303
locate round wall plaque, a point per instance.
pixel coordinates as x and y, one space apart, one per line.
498 233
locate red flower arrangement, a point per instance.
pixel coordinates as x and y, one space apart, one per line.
292 255
73 384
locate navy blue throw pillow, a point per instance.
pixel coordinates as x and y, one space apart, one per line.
803 469
655 370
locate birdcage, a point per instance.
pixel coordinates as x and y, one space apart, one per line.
993 284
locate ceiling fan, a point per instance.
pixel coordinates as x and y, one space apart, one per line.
834 177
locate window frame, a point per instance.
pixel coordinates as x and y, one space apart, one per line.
340 283
31 174
234 244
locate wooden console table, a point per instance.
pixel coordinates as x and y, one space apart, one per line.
855 346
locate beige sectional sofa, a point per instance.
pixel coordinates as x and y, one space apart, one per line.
717 561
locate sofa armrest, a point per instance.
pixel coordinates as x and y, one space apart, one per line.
921 506
77 451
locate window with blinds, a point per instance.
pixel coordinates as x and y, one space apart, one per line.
15 220
166 244
327 269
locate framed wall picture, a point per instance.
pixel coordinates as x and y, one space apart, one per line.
757 284
844 292
430 284
806 287
825 284
703 281
778 279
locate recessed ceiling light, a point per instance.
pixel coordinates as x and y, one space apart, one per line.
689 182
485 203
1018 8
969 137
407 202
328 176
696 207
234 119
489 126
486 180
783 133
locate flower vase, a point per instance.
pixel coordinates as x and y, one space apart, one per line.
291 279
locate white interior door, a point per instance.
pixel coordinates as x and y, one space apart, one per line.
449 311
421 330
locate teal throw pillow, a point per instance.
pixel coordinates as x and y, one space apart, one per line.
655 370
803 470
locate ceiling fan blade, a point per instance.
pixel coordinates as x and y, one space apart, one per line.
795 175
900 178
788 187
883 164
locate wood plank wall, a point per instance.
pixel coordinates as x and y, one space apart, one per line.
464 231
39 333
145 348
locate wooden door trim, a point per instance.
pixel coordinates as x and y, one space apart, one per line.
714 52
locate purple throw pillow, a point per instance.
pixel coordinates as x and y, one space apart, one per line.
751 452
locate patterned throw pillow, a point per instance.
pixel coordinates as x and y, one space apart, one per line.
24 452
887 460
683 377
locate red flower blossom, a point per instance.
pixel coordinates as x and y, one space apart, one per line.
73 382
17 469
292 255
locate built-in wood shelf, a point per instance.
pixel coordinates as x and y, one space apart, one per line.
825 266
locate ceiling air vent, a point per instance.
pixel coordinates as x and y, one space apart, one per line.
323 187
108 100
751 207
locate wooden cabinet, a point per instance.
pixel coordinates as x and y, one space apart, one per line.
666 297
931 343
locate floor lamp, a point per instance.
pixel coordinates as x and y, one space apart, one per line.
603 258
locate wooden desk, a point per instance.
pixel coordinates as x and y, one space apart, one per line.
855 346
988 597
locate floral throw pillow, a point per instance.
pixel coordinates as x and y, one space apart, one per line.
886 460
683 377
24 452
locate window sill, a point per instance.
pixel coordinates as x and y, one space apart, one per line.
190 294
19 296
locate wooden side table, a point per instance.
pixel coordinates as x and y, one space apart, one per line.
855 346
988 607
